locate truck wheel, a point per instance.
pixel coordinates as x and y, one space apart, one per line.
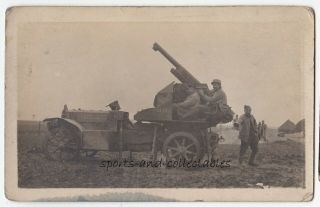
181 145
61 144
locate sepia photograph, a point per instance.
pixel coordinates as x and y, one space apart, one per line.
159 103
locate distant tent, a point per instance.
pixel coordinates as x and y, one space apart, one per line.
287 127
300 126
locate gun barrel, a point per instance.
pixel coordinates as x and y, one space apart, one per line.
157 47
179 72
178 75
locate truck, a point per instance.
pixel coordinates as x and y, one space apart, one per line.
78 133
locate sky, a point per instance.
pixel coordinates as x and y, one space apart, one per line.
89 64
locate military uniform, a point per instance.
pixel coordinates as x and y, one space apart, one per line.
248 134
218 96
216 108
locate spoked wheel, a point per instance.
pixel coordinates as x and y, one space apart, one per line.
61 144
182 145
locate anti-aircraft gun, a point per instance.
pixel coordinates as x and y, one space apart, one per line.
175 93
178 132
78 133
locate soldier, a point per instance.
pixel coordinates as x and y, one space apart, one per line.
216 107
249 135
217 95
264 131
189 107
259 130
65 111
235 122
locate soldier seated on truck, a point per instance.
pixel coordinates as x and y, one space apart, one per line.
193 109
216 103
217 95
188 109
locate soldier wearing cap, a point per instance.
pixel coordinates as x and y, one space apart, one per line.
217 95
248 134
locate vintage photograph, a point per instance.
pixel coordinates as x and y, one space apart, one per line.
159 103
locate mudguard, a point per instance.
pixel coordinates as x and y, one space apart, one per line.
89 139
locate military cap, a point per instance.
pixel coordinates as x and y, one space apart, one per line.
114 106
247 107
216 81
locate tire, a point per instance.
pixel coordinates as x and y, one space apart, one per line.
182 145
61 144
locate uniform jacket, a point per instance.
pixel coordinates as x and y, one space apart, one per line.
245 123
218 96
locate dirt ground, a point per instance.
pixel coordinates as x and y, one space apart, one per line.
281 165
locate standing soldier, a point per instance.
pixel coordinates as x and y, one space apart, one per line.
264 131
65 111
248 134
259 130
